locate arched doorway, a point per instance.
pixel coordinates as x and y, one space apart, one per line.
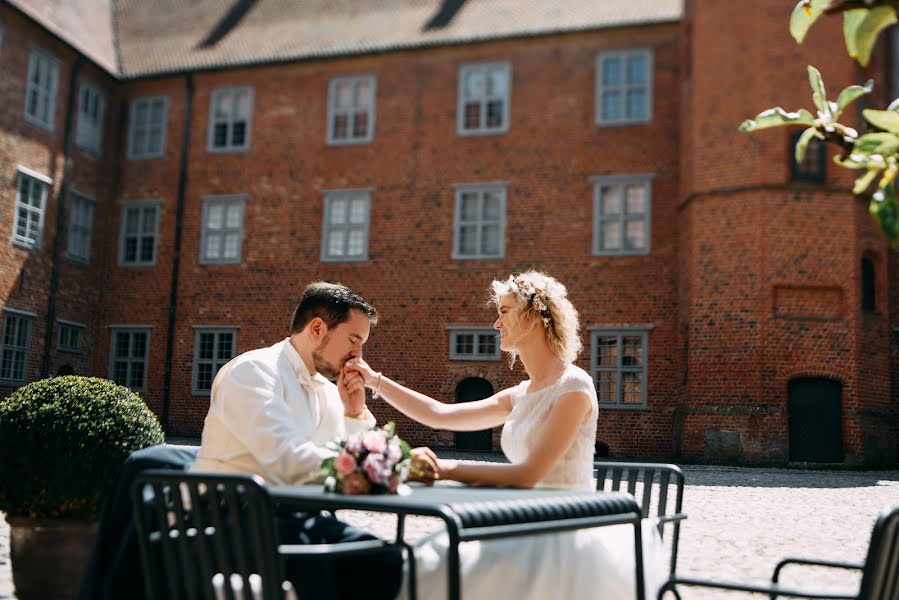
474 388
815 409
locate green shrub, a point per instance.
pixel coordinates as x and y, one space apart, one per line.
62 442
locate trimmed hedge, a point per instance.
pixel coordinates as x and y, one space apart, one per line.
62 442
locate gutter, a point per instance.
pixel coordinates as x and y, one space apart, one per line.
176 254
60 215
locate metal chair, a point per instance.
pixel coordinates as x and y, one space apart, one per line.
880 571
658 482
213 537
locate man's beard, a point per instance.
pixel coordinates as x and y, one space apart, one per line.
321 365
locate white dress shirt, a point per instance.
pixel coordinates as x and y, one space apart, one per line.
269 416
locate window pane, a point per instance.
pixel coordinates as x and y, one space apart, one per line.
146 249
611 106
130 249
233 212
338 212
496 82
487 344
611 71
357 211
149 220
636 104
360 124
607 351
154 141
141 114
220 135
607 386
232 245
340 126
637 69
214 216
139 344
336 241
239 133
356 243
468 207
206 346
474 84
223 101
156 112
491 206
226 346
464 343
611 235
631 387
632 351
122 340
472 115
610 200
137 375
490 240
636 198
363 94
204 376
468 239
495 113
243 104
343 93
120 372
635 233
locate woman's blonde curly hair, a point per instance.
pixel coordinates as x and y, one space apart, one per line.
542 302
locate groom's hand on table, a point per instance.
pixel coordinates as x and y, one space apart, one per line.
424 466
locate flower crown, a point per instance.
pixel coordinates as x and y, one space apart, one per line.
536 299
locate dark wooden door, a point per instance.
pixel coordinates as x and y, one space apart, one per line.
815 420
474 388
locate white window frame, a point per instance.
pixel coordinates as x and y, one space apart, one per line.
206 233
216 331
623 88
27 320
619 368
480 189
46 89
482 128
598 219
230 120
81 227
89 132
334 111
476 354
70 326
141 205
328 228
145 152
32 212
114 330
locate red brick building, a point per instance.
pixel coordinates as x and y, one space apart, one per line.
212 159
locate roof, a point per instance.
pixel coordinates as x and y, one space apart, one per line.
168 36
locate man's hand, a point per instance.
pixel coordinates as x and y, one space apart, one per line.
424 466
352 392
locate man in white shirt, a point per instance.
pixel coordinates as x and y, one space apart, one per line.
273 409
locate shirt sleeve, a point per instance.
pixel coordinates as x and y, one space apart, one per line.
251 404
357 425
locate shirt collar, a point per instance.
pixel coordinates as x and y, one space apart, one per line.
299 366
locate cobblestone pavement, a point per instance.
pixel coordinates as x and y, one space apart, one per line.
741 522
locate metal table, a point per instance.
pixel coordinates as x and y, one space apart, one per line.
478 513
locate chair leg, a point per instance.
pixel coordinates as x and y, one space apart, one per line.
413 573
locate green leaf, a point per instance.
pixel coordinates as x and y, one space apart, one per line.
876 143
883 208
853 161
864 182
777 117
851 94
804 15
863 31
887 120
803 142
819 97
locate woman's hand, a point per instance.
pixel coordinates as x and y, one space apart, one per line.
424 465
369 376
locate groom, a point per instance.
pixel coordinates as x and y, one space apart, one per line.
272 411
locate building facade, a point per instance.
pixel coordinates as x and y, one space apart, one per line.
209 165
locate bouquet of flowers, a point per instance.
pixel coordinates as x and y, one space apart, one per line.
369 462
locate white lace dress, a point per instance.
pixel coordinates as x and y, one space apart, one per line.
589 563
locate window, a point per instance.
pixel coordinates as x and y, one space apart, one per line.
619 363
621 215
869 286
814 166
222 237
40 93
213 348
81 223
345 232
69 339
31 198
480 222
91 110
146 138
230 115
140 227
128 363
474 344
351 110
484 99
623 87
16 343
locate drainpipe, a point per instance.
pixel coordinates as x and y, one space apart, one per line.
176 255
60 215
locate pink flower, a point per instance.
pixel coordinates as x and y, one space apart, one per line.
354 445
355 483
394 452
374 440
345 463
377 468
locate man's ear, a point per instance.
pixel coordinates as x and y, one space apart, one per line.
317 328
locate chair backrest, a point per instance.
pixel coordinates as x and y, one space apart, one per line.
206 536
658 488
880 578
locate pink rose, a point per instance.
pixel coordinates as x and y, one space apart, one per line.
345 463
354 484
374 440
394 452
377 468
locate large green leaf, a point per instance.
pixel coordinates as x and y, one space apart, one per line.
883 208
819 96
884 143
887 120
864 182
777 117
804 15
803 142
860 28
851 94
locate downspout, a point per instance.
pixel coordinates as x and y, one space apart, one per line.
60 216
176 255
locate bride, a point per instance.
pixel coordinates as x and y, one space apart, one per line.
549 432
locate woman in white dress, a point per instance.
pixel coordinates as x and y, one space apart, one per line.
549 432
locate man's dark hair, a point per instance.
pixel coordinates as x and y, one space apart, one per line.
332 303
